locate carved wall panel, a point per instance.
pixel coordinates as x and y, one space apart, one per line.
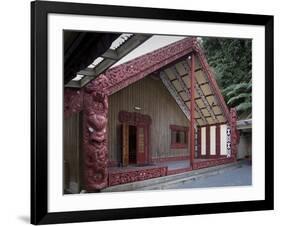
134 118
137 174
213 162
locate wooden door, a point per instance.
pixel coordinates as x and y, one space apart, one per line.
125 144
142 144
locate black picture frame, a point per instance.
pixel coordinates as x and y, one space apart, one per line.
39 112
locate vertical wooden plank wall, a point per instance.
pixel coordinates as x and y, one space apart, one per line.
154 100
71 154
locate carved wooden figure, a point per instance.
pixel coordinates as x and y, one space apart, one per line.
95 138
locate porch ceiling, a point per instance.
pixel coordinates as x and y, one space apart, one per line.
119 48
177 79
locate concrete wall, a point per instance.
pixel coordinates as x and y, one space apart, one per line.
245 145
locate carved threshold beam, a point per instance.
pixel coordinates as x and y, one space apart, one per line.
185 88
201 94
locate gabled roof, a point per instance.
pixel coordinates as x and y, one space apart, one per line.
171 63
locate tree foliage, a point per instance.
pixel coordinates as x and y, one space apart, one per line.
231 60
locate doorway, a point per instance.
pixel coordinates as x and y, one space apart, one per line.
132 144
135 138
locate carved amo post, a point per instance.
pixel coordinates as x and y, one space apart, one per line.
234 133
95 139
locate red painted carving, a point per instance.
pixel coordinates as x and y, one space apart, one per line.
137 174
73 101
134 118
234 133
212 162
95 139
125 74
171 158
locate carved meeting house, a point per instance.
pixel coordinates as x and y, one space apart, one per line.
140 119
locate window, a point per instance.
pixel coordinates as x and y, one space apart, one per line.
178 136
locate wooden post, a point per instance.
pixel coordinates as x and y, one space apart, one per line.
95 140
192 107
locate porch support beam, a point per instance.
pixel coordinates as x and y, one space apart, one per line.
192 108
95 156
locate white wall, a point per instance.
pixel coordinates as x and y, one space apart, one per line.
14 115
223 140
244 146
203 141
212 140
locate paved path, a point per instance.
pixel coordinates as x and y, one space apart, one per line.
236 176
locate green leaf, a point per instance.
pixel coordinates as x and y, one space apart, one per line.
244 107
238 97
231 60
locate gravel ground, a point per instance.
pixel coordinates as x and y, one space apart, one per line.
238 176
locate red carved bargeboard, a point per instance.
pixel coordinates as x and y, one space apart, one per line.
133 175
125 74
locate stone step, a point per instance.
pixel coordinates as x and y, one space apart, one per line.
161 182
